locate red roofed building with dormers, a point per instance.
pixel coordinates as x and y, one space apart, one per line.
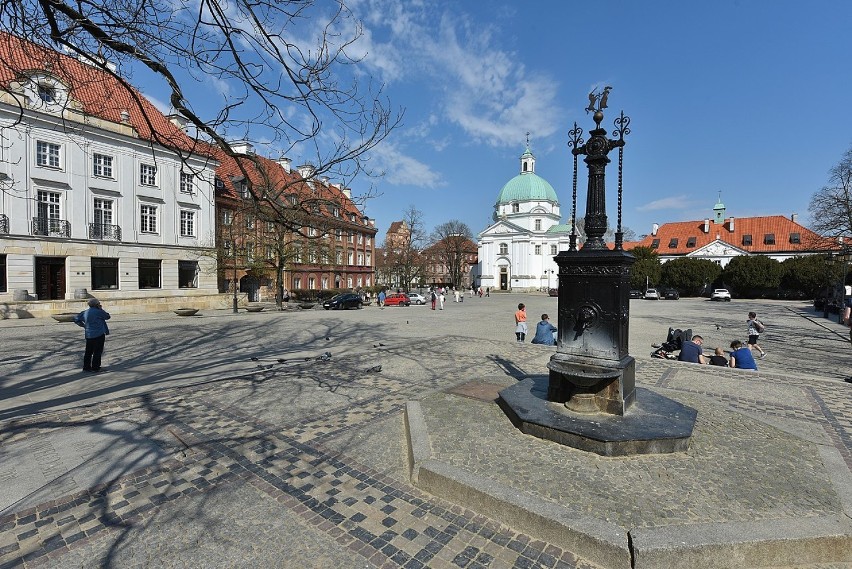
102 194
290 220
720 238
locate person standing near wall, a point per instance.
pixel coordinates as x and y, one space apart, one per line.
93 320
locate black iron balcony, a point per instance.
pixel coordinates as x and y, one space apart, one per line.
51 227
104 231
4 224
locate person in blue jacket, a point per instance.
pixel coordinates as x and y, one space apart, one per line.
93 320
545 332
741 356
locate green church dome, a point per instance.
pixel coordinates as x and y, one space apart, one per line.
527 187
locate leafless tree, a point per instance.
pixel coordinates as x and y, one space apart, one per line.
278 71
451 244
402 258
831 206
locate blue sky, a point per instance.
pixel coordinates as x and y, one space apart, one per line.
746 98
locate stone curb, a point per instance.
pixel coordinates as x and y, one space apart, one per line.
734 545
595 540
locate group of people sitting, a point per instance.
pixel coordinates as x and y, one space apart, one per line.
741 356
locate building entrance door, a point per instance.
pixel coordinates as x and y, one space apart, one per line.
251 286
504 278
50 278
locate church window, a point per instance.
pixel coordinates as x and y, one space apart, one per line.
538 225
516 208
795 238
769 239
538 249
553 249
504 249
690 242
673 243
746 240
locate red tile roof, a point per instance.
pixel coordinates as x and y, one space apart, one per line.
98 93
684 237
282 184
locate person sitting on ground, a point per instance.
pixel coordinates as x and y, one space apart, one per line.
718 358
741 356
692 352
545 332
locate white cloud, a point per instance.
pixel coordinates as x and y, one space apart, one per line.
680 202
401 169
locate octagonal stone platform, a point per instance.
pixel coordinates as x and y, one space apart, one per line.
653 424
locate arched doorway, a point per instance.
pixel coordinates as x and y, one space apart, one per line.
504 278
251 286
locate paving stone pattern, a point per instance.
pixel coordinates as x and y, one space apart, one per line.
301 463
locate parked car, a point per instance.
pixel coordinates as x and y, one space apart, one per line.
652 294
416 298
553 292
721 294
343 300
397 299
671 294
636 293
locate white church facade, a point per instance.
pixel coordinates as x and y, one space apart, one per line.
516 251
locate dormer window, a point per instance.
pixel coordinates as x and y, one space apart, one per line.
769 239
538 225
47 93
795 238
690 242
746 240
655 244
516 208
673 243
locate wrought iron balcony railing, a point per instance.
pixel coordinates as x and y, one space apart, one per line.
4 224
51 227
104 231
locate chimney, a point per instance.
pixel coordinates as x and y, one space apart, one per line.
242 147
285 162
347 192
706 225
794 218
731 224
324 181
125 116
176 119
654 228
306 170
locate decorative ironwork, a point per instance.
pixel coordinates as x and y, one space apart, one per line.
51 227
576 141
599 99
622 128
4 224
104 231
595 270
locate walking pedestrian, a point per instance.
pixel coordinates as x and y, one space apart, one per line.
487 291
381 299
441 299
93 320
755 328
434 298
520 322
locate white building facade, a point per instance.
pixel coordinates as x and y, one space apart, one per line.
91 208
516 252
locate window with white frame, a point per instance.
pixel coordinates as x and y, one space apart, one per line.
297 283
148 218
338 257
504 249
369 258
270 252
250 251
360 238
348 282
367 282
351 258
187 183
103 211
249 222
351 237
227 217
312 232
48 205
47 93
516 208
538 249
148 174
360 281
339 234
538 225
312 283
102 165
325 283
48 154
553 249
360 258
187 223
